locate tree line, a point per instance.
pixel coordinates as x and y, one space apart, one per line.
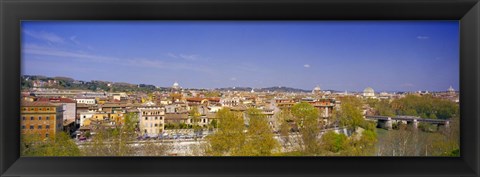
300 133
425 106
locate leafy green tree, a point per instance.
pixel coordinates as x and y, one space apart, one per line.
214 123
334 142
363 145
60 145
284 118
183 125
114 141
88 134
448 143
259 141
306 118
195 119
383 108
425 106
212 94
230 137
372 102
350 114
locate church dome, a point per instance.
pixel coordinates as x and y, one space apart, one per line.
316 90
369 90
451 89
175 85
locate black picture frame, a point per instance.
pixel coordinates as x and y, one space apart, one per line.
13 11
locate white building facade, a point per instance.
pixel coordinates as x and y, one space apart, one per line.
151 121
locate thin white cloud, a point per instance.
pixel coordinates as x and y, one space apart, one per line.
74 40
46 36
141 62
188 57
233 79
46 51
423 37
138 62
306 65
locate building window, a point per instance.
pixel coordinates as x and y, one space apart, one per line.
48 109
47 126
39 127
48 118
46 135
23 126
31 118
31 127
39 117
25 109
23 117
146 118
31 109
40 109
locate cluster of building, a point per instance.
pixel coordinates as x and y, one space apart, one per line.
77 112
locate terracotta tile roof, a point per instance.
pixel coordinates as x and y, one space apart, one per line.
214 99
106 105
36 104
57 100
198 99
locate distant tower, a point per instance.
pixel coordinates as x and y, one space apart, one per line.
451 91
253 91
316 90
368 92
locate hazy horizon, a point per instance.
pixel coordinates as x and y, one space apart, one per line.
342 55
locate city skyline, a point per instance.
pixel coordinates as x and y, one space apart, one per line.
347 55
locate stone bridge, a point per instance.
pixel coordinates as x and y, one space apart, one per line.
386 121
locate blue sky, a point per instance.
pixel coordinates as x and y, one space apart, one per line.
338 55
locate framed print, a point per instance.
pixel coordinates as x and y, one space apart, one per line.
248 88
